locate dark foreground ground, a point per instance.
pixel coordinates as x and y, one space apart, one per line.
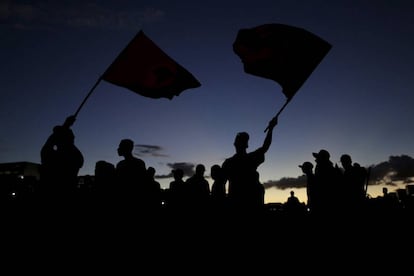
47 239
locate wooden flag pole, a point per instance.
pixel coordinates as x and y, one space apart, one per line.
87 96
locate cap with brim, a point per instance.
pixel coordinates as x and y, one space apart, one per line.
324 154
306 165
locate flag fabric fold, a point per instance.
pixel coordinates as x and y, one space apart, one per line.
145 69
283 53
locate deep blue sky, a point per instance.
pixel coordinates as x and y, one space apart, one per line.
359 100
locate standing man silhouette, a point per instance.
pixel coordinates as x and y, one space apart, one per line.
130 176
61 161
311 185
240 171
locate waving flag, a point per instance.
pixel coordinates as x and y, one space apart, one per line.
283 53
144 68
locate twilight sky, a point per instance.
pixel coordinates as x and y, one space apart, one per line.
359 100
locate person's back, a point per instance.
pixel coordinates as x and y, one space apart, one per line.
199 188
292 199
353 178
328 180
361 179
311 186
218 188
177 199
241 171
104 184
153 191
293 206
130 175
61 161
389 203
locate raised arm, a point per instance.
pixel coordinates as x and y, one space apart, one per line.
269 135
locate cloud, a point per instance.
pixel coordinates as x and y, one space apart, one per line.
188 169
149 150
286 183
396 170
74 14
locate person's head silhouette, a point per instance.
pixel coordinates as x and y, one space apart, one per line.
242 140
125 147
322 155
307 167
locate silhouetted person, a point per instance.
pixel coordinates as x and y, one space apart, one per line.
199 189
104 184
293 206
218 189
260 191
241 171
177 199
61 161
328 179
389 204
311 185
353 184
130 177
154 191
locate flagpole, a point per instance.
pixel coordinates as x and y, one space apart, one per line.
99 80
280 111
87 96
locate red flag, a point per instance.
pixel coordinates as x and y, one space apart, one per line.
145 69
283 53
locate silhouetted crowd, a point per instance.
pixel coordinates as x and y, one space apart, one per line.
129 187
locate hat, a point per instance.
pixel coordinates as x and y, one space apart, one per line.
322 154
306 165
